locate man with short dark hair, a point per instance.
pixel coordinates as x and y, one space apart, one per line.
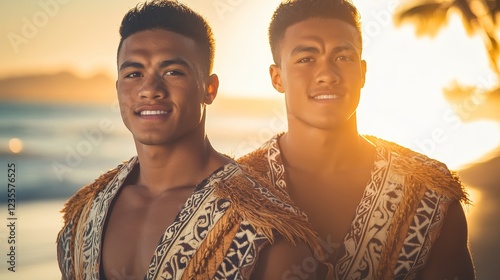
179 209
386 212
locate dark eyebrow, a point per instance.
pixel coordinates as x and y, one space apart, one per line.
163 64
302 48
178 61
343 48
132 64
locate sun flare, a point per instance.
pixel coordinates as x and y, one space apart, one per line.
15 145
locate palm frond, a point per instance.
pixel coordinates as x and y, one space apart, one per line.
485 101
428 17
494 9
469 19
493 48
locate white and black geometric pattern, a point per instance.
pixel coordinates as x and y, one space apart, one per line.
359 254
180 240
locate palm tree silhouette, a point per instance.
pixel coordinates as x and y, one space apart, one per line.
478 17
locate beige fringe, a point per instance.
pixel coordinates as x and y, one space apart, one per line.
73 208
427 171
420 174
211 252
413 193
294 227
265 215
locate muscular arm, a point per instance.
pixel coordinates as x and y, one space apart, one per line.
282 261
450 257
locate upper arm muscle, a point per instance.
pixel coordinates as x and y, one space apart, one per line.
450 257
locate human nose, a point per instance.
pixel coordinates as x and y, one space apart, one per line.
153 87
328 73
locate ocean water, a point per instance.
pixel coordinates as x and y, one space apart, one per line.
63 147
67 146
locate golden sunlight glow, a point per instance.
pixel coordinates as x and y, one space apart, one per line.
475 197
15 145
403 97
471 214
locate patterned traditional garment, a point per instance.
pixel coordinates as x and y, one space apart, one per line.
399 215
212 237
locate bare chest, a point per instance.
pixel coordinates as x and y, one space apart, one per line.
133 230
330 202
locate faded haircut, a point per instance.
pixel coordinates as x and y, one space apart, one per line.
294 11
172 16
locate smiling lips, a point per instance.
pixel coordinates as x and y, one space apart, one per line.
153 112
327 96
327 93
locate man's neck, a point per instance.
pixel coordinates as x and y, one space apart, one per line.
317 150
163 168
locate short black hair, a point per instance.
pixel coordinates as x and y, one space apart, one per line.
293 11
172 16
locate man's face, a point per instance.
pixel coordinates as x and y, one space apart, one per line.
161 88
321 72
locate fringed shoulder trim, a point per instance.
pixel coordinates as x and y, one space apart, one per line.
75 204
255 160
254 200
424 171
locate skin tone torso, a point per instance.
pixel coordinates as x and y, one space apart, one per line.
327 192
321 72
162 93
162 104
327 163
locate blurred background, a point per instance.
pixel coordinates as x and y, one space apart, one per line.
432 85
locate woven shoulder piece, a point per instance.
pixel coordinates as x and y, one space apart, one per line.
264 208
255 201
424 171
75 204
256 160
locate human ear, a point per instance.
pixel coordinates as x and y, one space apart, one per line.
275 72
211 89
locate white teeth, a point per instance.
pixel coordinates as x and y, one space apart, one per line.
335 96
150 113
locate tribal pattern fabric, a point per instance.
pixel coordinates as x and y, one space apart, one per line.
367 251
189 247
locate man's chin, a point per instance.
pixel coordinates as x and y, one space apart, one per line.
151 141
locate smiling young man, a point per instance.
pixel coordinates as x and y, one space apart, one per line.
383 211
179 209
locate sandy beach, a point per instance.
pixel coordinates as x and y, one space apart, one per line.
37 226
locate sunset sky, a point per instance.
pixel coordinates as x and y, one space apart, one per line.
402 99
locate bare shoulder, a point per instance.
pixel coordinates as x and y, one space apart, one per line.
281 260
450 256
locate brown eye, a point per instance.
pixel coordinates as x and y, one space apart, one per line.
305 60
133 75
343 58
173 73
